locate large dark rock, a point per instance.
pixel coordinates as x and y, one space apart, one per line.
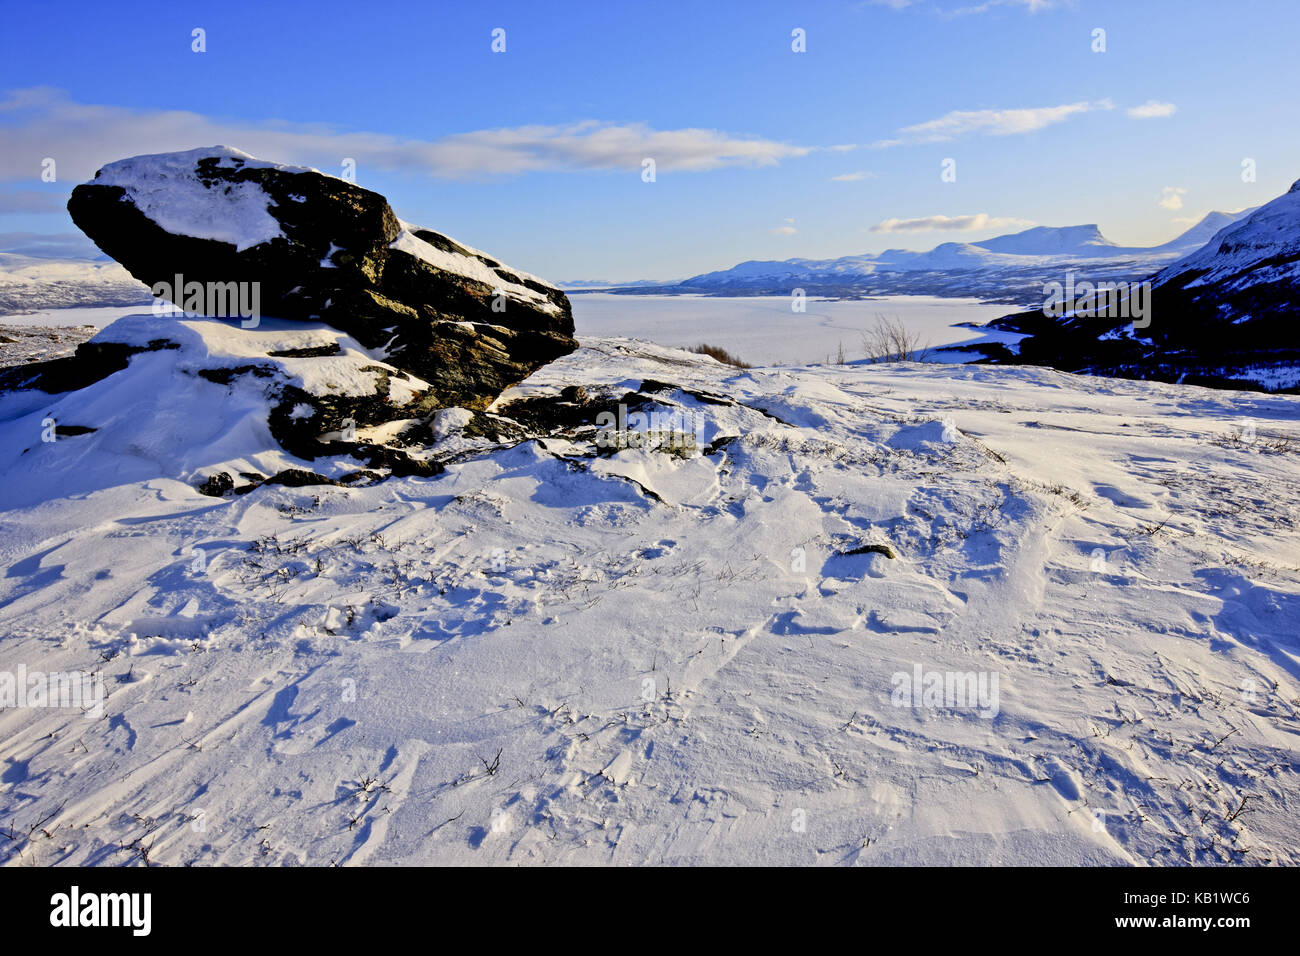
324 249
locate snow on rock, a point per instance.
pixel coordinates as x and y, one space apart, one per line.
1061 631
471 264
169 189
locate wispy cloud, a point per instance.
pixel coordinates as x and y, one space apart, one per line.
853 177
1152 109
787 230
41 122
949 223
1171 197
1012 122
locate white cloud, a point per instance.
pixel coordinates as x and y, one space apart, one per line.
1033 6
853 177
1152 109
1171 197
41 122
787 230
990 123
949 223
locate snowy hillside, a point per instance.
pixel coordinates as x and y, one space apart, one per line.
28 284
731 648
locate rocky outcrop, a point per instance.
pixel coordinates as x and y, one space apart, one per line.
318 248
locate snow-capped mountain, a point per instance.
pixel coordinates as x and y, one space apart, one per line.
1204 231
1085 242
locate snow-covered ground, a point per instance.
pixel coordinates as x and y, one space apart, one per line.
765 329
544 655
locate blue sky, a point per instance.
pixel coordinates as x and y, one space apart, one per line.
535 154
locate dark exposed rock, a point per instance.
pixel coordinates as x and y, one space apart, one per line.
217 485
224 376
321 248
315 351
90 363
298 478
884 549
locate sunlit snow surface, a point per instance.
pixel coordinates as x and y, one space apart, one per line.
542 657
166 187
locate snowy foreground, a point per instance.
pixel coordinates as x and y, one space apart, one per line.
547 656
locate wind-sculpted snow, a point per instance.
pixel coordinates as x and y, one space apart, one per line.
844 614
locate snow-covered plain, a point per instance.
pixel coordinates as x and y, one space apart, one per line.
765 330
547 656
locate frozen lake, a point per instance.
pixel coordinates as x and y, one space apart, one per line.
763 330
98 316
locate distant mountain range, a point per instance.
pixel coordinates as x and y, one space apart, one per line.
1010 268
1227 313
